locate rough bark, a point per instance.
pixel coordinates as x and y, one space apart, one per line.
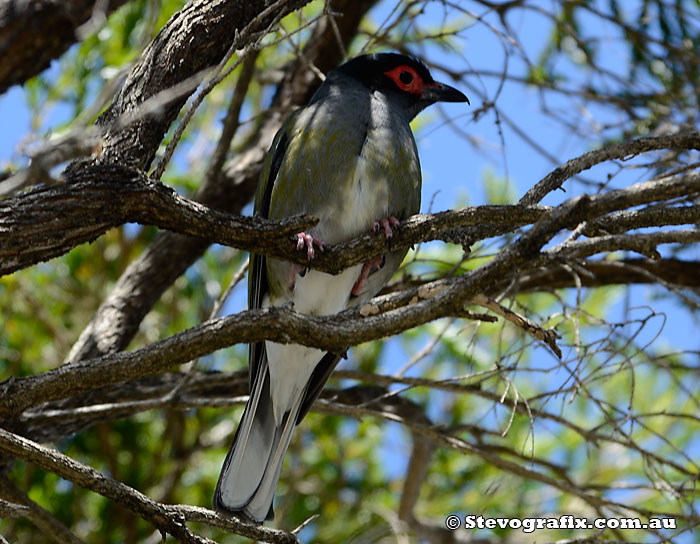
50 221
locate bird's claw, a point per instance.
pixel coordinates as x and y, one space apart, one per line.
388 224
304 242
308 241
367 268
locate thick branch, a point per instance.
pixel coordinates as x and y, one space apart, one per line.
279 324
394 314
49 221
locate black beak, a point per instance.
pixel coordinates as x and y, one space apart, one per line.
439 92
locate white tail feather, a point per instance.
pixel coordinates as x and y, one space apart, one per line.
253 465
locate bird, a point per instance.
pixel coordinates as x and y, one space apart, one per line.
349 158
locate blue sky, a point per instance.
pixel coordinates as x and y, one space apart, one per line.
454 168
14 112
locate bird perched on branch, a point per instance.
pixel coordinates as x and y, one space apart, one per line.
350 159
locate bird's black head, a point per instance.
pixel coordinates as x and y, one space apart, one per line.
406 79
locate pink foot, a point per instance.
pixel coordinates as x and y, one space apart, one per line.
388 225
308 241
367 268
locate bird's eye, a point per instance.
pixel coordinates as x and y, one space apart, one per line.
406 79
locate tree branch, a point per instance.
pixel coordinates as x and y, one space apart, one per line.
102 197
653 216
623 150
51 421
194 39
40 517
598 273
548 336
49 221
643 243
555 179
441 438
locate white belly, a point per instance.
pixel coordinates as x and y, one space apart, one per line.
291 365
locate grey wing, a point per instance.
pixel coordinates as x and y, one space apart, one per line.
257 275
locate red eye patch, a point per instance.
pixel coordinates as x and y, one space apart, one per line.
406 79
